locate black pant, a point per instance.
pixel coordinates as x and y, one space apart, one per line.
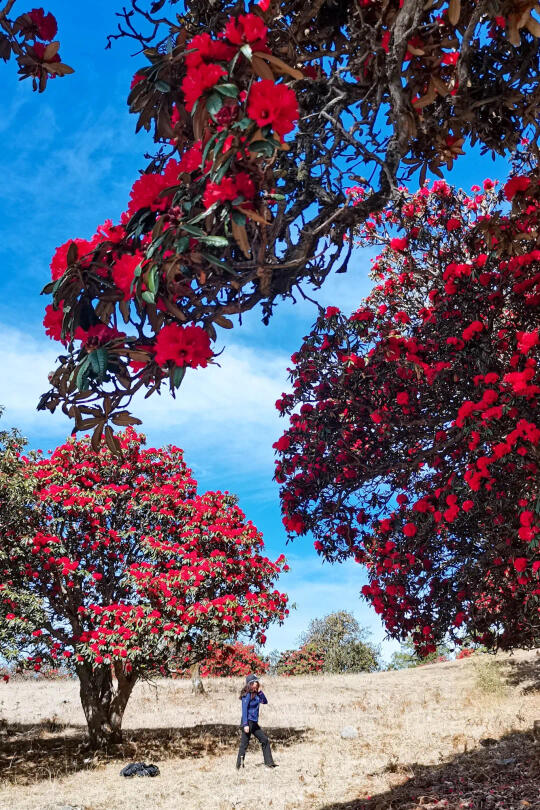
256 730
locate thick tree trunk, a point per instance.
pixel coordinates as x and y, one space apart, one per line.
196 680
104 703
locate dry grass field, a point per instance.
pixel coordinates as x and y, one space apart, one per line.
450 735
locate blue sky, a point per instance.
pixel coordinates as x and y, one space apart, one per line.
68 159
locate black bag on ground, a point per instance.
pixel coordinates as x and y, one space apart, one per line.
139 769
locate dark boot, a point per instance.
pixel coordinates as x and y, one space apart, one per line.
239 761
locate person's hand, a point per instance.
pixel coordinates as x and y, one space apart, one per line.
246 729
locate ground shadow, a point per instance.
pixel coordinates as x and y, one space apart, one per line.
500 775
523 673
30 753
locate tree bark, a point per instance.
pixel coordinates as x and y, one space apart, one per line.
104 703
196 680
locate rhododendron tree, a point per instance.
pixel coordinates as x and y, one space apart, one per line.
413 438
226 660
306 660
124 570
260 120
30 38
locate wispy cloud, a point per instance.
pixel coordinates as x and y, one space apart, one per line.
318 589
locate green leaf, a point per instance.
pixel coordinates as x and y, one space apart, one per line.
192 230
177 376
208 147
239 217
155 245
243 124
262 148
220 174
229 90
214 104
148 297
182 244
162 86
82 375
218 263
152 280
215 241
202 215
98 361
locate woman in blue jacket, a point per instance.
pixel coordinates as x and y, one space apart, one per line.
252 696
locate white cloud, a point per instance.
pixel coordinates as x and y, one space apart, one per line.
222 416
319 589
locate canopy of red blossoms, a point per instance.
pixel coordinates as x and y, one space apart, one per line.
124 563
413 438
259 119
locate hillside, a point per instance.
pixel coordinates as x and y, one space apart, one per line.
450 735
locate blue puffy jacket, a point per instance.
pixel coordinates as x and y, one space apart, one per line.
250 706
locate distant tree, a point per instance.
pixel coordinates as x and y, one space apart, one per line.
227 660
342 643
122 568
273 659
307 660
407 656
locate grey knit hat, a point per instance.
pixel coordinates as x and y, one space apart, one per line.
251 679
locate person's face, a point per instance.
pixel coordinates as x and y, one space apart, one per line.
254 686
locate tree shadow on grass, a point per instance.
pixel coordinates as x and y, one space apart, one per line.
30 753
501 775
525 674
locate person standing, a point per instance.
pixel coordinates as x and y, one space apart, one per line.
252 696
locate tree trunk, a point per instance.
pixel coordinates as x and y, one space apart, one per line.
104 703
196 680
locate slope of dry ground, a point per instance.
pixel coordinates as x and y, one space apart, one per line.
453 735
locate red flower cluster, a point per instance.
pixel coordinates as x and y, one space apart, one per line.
240 187
46 25
183 346
273 104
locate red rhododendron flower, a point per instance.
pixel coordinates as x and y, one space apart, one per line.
409 530
453 224
294 524
520 564
147 188
46 24
53 321
98 335
229 189
399 244
331 311
527 340
204 50
59 260
402 398
246 29
273 104
514 185
123 273
450 58
197 82
183 346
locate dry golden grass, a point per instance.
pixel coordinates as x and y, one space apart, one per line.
418 729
